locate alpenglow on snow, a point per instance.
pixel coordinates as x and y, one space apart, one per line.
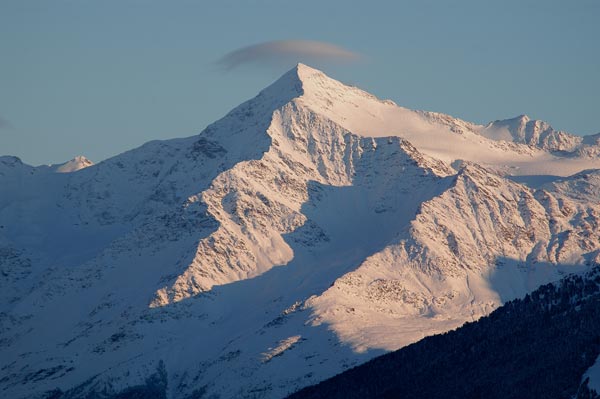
310 229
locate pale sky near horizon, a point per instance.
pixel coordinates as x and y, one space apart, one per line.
97 78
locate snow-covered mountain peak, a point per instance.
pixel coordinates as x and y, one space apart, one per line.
519 146
520 119
536 133
306 72
13 166
307 227
299 81
287 87
75 164
313 76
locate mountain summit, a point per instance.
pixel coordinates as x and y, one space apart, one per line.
308 230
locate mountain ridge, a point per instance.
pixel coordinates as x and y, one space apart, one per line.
311 228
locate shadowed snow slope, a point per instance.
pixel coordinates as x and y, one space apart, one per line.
311 228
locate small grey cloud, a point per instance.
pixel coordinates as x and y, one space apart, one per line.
286 52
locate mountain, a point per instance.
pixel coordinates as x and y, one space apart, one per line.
75 164
540 134
9 164
535 133
536 347
310 229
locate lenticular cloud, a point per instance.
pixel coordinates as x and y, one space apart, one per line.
287 51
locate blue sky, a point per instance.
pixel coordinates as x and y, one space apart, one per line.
100 77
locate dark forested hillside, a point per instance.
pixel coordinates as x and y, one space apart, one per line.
536 347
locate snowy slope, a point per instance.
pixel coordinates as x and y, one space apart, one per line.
310 229
536 347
